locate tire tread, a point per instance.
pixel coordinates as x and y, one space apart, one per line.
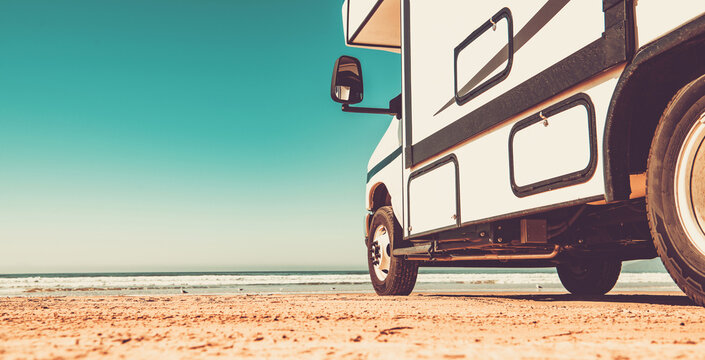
401 278
601 277
688 285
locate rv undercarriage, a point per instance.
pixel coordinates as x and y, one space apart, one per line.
618 231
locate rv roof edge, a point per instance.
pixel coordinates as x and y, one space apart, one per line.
372 24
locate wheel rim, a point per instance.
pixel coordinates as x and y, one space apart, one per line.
379 252
579 271
690 186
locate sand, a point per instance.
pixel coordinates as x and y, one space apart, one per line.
353 326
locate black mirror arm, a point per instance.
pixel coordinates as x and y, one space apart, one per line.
394 108
366 110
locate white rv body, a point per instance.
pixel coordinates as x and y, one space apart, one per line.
655 18
525 133
483 171
390 175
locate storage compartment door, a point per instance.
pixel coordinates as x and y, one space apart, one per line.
555 148
433 197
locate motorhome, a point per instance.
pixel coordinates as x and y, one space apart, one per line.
534 133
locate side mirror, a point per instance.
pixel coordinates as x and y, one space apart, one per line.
346 86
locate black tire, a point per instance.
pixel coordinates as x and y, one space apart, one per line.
401 276
590 277
684 262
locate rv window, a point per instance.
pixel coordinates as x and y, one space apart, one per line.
484 58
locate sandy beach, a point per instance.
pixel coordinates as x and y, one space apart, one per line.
353 326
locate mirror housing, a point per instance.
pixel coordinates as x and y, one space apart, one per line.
346 85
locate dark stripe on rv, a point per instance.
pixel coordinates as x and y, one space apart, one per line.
535 24
587 62
383 163
611 49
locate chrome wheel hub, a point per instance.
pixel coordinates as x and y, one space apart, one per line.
690 184
380 252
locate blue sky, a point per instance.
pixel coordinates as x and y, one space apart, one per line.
181 135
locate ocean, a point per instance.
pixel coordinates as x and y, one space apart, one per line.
637 277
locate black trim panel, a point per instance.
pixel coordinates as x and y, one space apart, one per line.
382 164
426 169
557 182
505 13
620 118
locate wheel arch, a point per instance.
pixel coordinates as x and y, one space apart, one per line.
378 196
634 112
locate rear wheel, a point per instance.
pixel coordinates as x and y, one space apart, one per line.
591 277
676 189
390 275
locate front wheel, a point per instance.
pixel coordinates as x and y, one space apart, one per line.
592 277
675 193
390 275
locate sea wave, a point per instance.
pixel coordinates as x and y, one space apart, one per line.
34 284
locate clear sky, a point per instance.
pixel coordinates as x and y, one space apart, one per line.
170 135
